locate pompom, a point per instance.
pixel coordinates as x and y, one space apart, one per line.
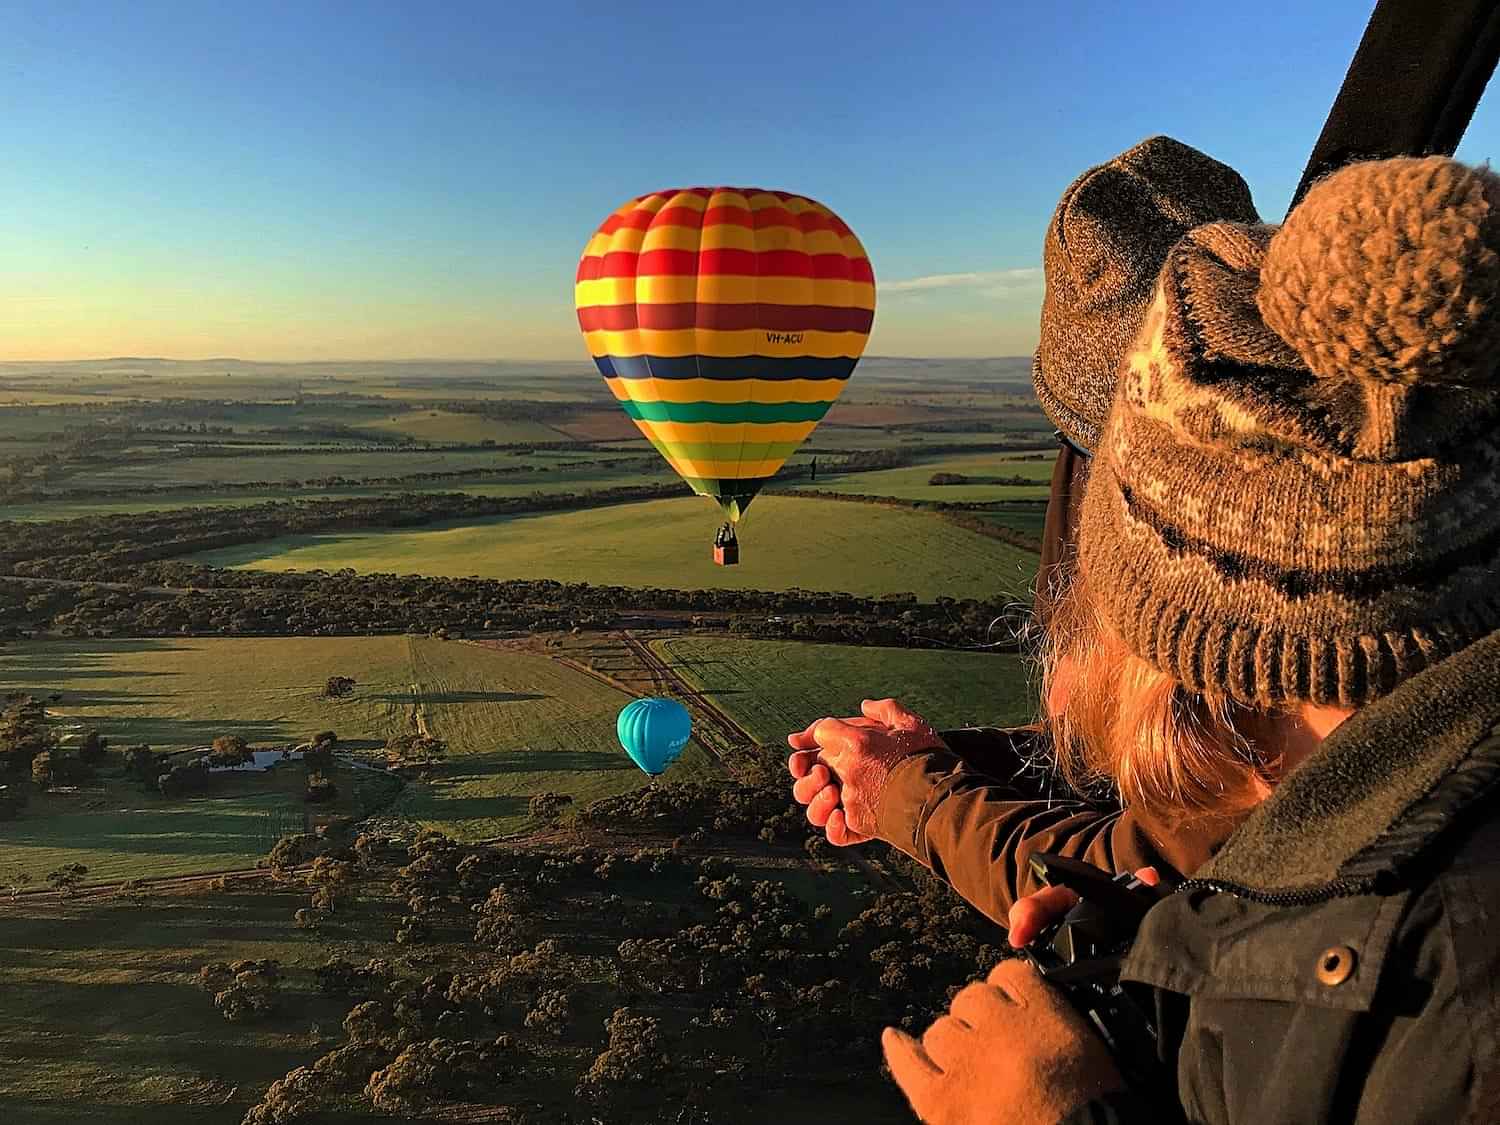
1389 272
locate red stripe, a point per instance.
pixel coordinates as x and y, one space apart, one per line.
681 217
639 219
734 263
725 317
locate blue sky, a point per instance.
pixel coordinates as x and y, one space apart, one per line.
384 180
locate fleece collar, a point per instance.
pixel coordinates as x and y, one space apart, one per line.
1382 787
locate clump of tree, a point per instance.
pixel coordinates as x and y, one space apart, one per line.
24 732
291 1099
426 1075
633 1061
227 751
58 767
332 881
293 850
67 878
245 990
185 779
506 919
338 687
339 976
548 807
551 1013
414 753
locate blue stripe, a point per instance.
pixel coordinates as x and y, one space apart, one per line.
722 367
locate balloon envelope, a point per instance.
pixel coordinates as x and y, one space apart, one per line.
726 321
653 732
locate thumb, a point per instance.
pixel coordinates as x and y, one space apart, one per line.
912 1068
893 714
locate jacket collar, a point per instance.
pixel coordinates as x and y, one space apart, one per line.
1380 790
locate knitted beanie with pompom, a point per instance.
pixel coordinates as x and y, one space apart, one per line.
1297 493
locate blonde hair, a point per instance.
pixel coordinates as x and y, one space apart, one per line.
1175 754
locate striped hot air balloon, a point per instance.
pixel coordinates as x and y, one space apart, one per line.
726 321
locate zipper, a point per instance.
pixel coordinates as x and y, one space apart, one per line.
1339 888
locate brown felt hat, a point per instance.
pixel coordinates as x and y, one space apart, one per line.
1105 245
1296 496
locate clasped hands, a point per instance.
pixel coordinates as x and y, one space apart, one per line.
841 765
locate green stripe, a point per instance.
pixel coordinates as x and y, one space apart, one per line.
728 450
726 411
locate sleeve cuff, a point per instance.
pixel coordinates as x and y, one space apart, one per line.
907 790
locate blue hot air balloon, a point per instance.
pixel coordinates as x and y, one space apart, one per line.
653 732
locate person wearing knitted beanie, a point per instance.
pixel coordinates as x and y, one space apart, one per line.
964 802
1288 602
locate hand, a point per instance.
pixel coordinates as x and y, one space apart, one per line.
1010 1049
1038 910
841 765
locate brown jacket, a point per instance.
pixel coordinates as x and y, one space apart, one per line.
974 813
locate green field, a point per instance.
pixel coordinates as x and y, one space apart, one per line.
773 687
786 542
910 482
517 723
446 425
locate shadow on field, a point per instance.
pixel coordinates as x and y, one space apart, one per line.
408 698
81 650
547 761
170 831
71 699
45 675
478 807
156 731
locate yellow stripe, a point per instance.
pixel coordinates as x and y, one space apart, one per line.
623 238
725 470
722 431
703 341
727 288
665 236
726 390
725 198
764 199
726 236
688 199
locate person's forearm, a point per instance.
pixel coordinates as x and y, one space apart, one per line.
1013 756
973 832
